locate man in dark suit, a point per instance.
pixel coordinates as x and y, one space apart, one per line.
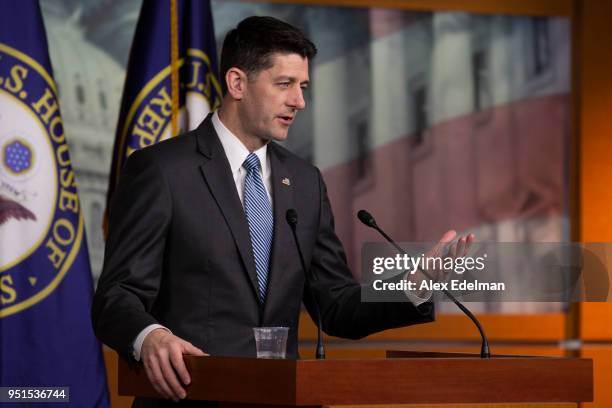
199 251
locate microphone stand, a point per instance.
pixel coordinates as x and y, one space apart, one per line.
291 217
368 220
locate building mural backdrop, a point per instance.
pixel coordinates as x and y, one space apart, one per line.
429 120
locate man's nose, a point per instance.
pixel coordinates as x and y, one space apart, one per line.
297 99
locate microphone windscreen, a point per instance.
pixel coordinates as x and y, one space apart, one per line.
366 218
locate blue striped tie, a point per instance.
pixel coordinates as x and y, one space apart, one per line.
261 223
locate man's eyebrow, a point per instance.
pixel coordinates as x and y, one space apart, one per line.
291 79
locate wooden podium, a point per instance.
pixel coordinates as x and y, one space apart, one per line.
402 378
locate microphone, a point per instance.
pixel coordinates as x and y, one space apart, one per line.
368 220
292 219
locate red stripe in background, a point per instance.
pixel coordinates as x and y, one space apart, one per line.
507 162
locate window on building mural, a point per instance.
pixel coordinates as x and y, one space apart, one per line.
419 112
541 52
480 76
363 149
80 93
102 98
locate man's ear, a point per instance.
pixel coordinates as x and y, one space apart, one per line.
236 80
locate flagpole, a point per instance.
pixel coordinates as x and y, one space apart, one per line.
174 74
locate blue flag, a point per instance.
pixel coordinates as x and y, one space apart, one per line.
172 78
46 338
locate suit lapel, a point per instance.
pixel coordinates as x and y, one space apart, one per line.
218 176
282 193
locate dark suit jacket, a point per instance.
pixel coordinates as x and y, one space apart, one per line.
179 254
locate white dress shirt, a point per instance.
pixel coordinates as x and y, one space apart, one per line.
237 153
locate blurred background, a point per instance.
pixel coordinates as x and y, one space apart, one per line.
482 116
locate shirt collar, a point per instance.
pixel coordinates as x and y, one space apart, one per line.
235 150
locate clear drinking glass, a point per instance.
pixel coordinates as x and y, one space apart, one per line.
271 342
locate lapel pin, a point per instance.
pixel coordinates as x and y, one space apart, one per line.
286 181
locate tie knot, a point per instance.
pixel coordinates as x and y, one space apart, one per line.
251 162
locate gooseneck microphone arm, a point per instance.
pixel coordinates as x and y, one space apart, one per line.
292 219
368 220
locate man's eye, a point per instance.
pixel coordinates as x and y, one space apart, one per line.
284 84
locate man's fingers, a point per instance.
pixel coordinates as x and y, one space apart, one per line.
464 245
176 358
162 353
176 390
156 378
448 236
460 247
179 363
437 250
189 348
452 250
469 240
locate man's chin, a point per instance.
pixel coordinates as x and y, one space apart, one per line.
280 136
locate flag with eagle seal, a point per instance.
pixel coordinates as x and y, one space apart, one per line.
46 338
172 80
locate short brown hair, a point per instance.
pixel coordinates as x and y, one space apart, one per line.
252 43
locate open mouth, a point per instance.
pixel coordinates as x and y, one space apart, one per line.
286 120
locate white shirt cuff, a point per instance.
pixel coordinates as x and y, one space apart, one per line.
417 300
137 346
